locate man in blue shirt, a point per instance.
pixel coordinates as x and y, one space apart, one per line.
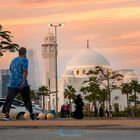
18 84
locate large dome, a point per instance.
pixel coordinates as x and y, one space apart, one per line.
87 58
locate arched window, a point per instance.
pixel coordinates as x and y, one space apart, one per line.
84 71
77 72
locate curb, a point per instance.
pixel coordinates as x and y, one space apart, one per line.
99 127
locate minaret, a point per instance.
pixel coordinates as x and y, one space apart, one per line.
48 53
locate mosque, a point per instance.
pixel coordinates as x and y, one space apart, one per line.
75 72
87 59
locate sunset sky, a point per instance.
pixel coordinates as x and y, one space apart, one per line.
111 26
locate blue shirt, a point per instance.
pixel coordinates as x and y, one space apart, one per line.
17 66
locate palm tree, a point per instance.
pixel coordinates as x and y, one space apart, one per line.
69 93
43 91
132 98
102 96
91 90
126 88
108 79
34 96
136 89
91 99
6 42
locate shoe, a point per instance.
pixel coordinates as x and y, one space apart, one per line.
32 116
5 117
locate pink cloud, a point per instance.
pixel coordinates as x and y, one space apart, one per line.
92 15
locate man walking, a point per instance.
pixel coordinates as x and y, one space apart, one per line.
18 84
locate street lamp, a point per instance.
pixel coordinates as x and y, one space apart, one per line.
56 51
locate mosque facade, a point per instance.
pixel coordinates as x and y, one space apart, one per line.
75 73
87 59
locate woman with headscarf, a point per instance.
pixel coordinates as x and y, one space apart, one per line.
78 113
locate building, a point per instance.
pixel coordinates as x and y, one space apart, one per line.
75 73
49 55
4 79
87 59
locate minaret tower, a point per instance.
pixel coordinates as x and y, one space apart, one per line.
48 53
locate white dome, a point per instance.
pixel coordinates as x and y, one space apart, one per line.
87 58
129 76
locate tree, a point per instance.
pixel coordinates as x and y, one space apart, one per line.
102 96
34 96
69 93
91 90
136 89
126 88
43 91
6 42
108 79
131 98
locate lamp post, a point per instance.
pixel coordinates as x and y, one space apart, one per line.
56 51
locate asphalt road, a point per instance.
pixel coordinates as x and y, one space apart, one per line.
59 129
68 134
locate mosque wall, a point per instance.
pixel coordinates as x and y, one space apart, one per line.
75 75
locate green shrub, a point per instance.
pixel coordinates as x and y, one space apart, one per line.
119 114
88 114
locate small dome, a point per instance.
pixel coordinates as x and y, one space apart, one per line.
88 58
129 76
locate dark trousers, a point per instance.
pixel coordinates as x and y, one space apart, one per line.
12 93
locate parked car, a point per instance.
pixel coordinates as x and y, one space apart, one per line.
16 112
18 108
38 108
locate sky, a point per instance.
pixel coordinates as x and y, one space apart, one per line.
111 26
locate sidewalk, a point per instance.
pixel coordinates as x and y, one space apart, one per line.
125 124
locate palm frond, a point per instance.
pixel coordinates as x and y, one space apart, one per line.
5 43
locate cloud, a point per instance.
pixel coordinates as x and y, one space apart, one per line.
128 35
112 26
131 37
9 4
122 14
45 3
63 4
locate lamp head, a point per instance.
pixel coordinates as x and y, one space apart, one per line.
56 25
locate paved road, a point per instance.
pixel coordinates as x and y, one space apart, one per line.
112 129
119 124
68 134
